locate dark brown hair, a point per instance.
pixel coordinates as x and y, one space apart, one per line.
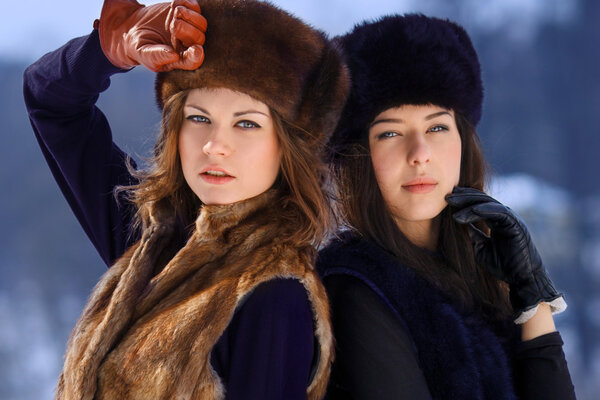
300 182
453 269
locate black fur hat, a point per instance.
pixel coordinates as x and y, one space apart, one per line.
408 59
256 48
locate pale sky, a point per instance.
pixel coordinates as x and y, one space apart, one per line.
28 29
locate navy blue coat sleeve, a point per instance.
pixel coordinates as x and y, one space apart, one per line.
267 350
60 91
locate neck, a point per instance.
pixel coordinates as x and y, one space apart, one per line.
421 233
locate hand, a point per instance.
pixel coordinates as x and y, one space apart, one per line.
162 37
508 252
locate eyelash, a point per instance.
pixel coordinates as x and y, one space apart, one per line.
433 129
254 124
442 128
197 119
200 119
386 135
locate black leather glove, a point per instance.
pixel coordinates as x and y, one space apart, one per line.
508 252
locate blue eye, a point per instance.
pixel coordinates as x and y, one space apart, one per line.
388 134
197 118
438 128
247 124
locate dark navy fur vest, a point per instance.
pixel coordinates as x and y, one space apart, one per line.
461 356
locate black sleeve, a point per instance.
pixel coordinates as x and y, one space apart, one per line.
375 356
541 370
60 92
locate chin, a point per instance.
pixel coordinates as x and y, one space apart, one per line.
426 212
213 199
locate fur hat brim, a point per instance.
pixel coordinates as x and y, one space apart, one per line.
258 49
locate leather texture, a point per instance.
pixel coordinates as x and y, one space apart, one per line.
508 251
161 37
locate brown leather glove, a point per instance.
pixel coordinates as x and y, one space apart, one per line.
161 37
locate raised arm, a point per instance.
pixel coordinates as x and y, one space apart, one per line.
60 91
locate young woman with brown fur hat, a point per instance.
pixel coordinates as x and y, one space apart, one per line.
212 292
419 291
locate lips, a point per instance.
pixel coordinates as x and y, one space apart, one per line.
216 175
420 185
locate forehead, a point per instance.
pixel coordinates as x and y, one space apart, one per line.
412 111
223 98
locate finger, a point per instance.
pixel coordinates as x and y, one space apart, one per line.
168 23
466 189
481 242
190 59
155 56
484 251
186 33
191 4
468 198
192 17
466 216
496 215
476 234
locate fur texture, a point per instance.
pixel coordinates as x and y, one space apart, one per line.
410 59
460 355
146 336
255 48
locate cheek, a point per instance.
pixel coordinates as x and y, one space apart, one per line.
189 147
182 149
261 160
271 156
385 166
452 161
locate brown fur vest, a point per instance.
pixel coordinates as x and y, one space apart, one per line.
147 335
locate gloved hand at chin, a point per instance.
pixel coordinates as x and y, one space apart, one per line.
508 252
161 37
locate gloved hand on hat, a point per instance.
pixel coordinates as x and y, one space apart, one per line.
161 37
508 252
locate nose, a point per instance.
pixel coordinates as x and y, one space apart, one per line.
419 152
217 143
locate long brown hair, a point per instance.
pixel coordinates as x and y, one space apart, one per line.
456 272
301 180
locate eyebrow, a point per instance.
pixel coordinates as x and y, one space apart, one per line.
401 121
197 108
437 114
386 120
237 114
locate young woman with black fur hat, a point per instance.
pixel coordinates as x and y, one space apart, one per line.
428 279
212 292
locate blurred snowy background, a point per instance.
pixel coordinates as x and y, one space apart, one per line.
540 132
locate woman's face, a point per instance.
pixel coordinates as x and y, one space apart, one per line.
228 146
416 153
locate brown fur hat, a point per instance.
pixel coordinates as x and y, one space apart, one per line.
257 49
